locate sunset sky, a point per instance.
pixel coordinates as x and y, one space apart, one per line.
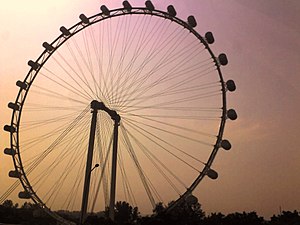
261 39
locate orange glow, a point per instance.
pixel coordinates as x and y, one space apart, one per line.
260 172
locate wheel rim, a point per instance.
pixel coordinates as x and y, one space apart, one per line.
165 89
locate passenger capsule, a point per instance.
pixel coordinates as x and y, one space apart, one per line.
127 6
21 85
149 5
171 10
9 151
192 21
223 59
230 85
14 174
84 19
209 37
48 47
65 31
231 114
212 174
225 144
9 128
24 195
33 65
105 10
191 200
13 106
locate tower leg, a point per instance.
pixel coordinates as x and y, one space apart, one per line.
88 168
113 172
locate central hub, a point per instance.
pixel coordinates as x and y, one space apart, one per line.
95 105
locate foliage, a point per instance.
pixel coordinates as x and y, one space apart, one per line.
159 208
28 205
243 218
9 204
185 214
214 219
124 213
286 218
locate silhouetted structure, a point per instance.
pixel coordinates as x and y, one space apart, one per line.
125 214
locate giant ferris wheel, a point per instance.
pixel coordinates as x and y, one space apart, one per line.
125 105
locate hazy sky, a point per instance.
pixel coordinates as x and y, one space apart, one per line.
261 40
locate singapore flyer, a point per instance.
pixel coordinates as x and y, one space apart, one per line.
129 104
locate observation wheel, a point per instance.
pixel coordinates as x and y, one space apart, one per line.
126 105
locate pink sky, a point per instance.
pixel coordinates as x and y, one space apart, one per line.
261 39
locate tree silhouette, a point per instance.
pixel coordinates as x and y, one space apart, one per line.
8 212
9 204
124 213
28 205
286 218
159 208
243 219
214 219
187 213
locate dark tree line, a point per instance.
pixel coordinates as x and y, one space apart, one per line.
26 214
125 214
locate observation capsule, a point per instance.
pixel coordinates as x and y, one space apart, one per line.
21 85
191 200
231 114
149 5
33 65
9 151
127 6
64 31
225 144
48 47
105 10
171 10
84 19
14 174
230 85
223 59
13 106
212 174
192 21
24 195
209 37
9 128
